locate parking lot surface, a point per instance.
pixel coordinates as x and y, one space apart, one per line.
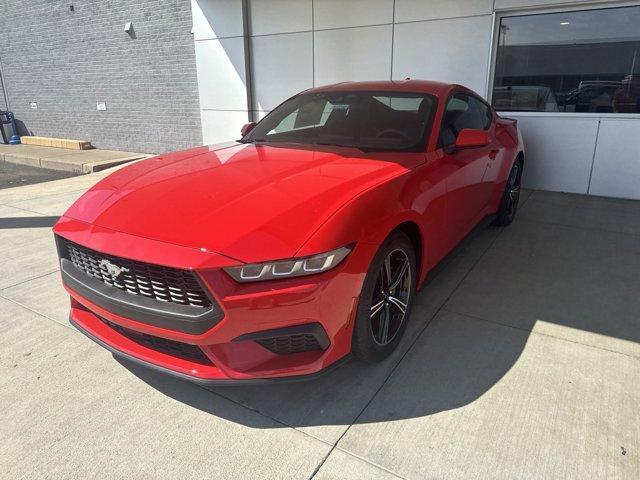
521 360
15 175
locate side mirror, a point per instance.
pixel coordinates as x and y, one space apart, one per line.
472 138
246 128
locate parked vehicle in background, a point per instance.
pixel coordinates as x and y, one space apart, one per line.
590 96
305 241
527 98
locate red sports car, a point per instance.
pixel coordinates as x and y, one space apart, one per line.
282 253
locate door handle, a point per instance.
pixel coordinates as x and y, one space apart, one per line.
493 154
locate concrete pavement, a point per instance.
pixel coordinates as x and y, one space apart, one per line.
521 360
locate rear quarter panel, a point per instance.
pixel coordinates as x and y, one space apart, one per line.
508 136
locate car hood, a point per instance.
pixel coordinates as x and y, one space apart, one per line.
248 202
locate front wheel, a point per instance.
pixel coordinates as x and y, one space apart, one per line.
386 299
511 196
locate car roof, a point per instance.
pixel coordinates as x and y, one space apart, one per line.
414 86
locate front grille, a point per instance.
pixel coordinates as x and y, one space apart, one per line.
153 281
169 347
288 344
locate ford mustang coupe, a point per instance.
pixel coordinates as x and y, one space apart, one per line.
305 241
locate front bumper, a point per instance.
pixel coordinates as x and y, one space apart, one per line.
320 307
207 382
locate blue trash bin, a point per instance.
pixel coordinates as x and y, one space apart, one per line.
15 138
7 118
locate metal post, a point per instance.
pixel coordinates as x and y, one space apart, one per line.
4 88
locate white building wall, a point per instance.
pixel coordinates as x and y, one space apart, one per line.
427 50
297 44
559 151
616 166
220 64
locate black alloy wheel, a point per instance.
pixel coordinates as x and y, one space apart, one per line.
511 197
390 297
386 299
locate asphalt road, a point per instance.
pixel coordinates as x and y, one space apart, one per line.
14 175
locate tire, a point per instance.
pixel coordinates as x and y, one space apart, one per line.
510 197
369 342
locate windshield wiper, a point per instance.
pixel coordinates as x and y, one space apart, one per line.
363 148
338 145
382 149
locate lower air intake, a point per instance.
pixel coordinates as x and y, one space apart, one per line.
288 344
162 345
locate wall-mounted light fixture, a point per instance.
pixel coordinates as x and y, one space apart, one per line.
128 28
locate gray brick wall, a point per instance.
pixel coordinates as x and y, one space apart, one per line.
66 61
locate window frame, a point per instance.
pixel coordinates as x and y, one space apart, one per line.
499 14
492 111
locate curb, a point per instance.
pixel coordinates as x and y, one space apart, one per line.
75 167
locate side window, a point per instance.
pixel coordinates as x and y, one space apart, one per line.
462 111
483 110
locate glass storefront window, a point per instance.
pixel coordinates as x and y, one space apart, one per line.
579 61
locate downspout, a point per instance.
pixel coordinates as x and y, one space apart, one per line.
4 88
246 35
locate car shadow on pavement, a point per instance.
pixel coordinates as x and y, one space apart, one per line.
452 364
574 281
454 360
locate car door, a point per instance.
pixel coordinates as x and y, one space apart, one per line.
467 191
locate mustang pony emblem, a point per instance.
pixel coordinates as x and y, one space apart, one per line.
113 270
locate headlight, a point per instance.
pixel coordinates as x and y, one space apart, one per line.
296 267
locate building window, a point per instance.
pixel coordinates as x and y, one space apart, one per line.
578 61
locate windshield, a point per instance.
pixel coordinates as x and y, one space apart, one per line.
365 120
